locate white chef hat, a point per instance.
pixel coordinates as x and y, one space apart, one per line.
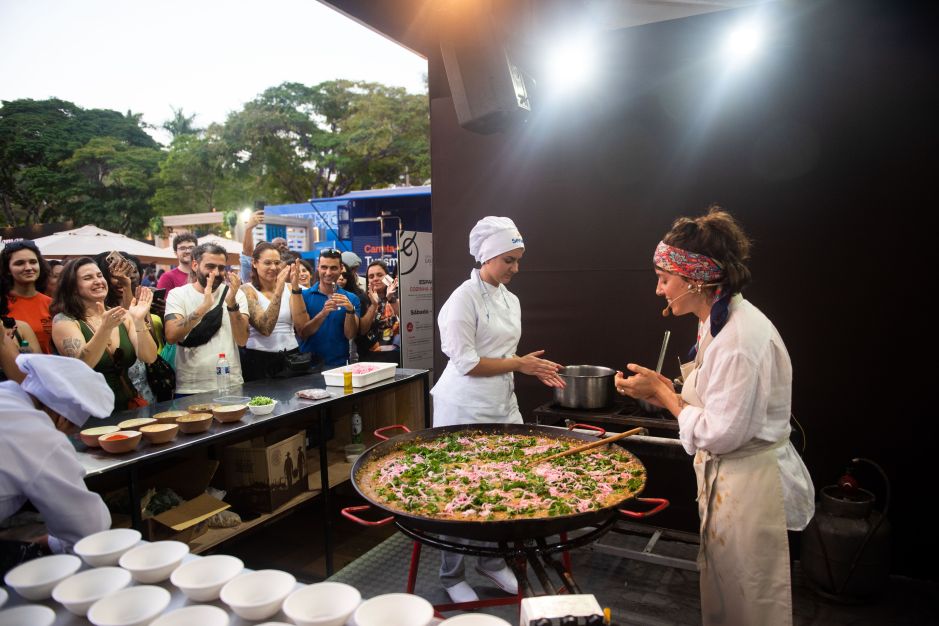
492 236
67 386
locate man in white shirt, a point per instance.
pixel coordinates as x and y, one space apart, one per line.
39 463
203 325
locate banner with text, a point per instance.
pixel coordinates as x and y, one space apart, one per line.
416 286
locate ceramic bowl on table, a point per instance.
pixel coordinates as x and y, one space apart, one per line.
4 596
195 423
262 409
394 609
169 417
154 562
89 436
121 442
77 593
474 619
322 604
107 547
257 595
136 423
201 614
136 606
202 579
230 412
202 407
159 433
29 615
35 580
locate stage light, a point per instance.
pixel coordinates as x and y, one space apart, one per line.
569 64
744 42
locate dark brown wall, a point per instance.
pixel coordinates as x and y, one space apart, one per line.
824 148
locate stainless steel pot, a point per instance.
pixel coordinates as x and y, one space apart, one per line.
587 387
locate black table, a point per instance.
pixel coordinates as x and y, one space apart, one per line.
290 410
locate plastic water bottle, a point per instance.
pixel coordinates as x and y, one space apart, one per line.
356 426
222 372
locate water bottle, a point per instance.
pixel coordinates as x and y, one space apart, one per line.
356 426
222 372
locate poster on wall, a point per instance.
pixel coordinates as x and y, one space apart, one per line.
416 286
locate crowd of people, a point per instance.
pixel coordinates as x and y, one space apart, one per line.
155 337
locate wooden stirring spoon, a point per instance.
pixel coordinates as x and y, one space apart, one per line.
590 446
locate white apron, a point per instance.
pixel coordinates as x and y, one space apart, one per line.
744 555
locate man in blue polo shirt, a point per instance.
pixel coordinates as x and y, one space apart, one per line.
325 316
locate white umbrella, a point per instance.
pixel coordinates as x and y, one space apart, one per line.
91 240
232 248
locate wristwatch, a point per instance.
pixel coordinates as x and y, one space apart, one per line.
232 309
296 291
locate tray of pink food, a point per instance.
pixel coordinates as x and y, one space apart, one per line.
362 373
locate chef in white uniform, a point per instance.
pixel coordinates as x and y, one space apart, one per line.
39 463
733 414
480 327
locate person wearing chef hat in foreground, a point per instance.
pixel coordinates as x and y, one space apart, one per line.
39 463
480 328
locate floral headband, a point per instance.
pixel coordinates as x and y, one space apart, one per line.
689 265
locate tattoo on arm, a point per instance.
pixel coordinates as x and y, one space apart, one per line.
269 319
72 347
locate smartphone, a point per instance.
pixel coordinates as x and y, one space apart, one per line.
388 280
114 258
159 294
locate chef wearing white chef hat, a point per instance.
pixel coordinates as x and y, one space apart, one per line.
480 328
39 463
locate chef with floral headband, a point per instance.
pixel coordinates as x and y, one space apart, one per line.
733 415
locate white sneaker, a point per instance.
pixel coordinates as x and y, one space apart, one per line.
503 578
462 592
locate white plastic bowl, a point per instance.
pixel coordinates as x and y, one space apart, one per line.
258 595
34 580
202 579
201 614
107 547
3 596
136 606
154 562
394 609
77 593
262 409
322 604
474 619
29 615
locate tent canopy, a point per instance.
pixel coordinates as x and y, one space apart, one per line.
91 240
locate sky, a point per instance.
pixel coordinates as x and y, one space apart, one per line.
207 57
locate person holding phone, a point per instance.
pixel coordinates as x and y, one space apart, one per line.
206 318
380 327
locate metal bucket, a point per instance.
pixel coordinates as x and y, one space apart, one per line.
586 387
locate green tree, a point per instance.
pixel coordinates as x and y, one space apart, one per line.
199 174
331 138
36 137
181 124
114 184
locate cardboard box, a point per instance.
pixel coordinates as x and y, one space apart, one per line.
265 472
187 521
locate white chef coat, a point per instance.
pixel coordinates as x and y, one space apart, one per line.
40 465
477 321
745 384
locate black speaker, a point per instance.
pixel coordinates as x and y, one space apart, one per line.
488 89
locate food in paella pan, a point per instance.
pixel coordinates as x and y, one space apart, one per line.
473 476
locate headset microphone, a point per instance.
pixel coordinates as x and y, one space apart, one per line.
668 309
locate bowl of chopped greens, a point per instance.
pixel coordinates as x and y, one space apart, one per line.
261 405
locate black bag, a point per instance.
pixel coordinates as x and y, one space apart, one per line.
295 364
162 379
207 326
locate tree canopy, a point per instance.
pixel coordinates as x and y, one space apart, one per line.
293 141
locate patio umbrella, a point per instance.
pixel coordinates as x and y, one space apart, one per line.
90 240
232 248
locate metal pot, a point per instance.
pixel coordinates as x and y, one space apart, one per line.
586 387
